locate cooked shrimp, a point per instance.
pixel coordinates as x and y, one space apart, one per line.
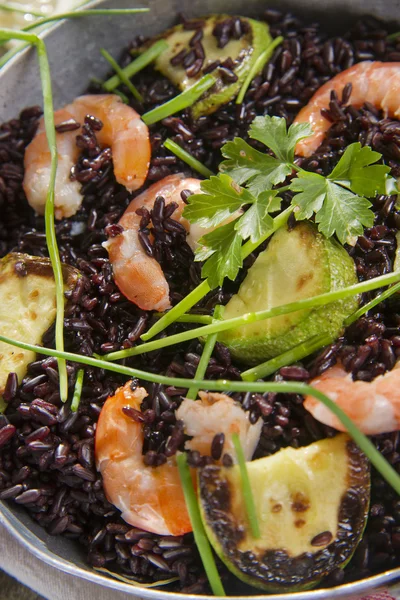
37 164
152 497
138 275
373 406
218 413
123 131
374 82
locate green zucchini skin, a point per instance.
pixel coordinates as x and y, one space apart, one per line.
244 52
297 264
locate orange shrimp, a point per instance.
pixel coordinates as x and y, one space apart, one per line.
138 275
152 497
374 82
123 131
373 406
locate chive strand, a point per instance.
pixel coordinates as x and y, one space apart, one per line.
253 317
200 536
246 488
17 9
369 305
287 358
85 13
142 61
124 79
51 240
205 356
187 158
203 288
76 398
257 67
223 385
180 102
178 310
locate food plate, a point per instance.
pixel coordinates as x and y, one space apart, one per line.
74 56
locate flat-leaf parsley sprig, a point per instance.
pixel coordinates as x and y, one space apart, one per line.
248 180
220 207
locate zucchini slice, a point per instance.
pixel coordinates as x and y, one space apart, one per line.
297 264
312 506
243 52
27 307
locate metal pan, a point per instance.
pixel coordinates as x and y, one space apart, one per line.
74 57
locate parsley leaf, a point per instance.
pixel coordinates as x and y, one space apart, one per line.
222 247
256 221
248 165
222 197
337 209
272 132
356 170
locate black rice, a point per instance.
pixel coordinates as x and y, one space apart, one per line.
47 452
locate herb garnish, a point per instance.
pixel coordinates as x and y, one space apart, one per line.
247 492
200 536
252 317
339 201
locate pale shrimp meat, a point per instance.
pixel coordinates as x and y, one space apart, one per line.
138 275
371 81
373 406
151 498
123 131
218 413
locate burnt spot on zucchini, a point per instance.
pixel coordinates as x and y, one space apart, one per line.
312 505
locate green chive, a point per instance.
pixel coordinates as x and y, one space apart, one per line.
3 405
77 14
203 288
257 67
246 488
142 61
393 36
180 102
78 390
193 163
123 96
200 536
223 385
287 358
369 305
124 79
190 318
246 319
51 239
17 9
206 355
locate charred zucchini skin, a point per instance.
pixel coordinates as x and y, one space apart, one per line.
273 570
248 48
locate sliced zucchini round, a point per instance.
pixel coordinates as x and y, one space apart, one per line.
297 264
243 52
312 506
27 307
